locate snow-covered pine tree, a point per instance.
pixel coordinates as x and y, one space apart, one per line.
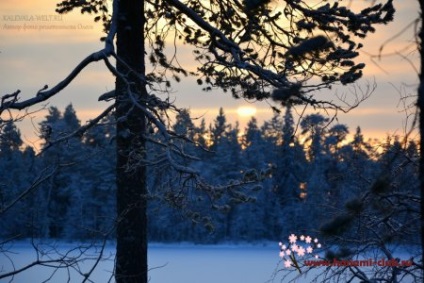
63 158
15 220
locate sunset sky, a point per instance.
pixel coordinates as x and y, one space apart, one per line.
39 47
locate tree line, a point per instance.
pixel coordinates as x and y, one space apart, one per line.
306 178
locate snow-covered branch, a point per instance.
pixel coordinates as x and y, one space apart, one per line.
45 93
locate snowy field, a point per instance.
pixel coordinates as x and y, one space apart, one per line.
169 263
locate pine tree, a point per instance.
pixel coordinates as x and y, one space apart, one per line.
64 157
290 174
337 164
316 183
15 220
10 138
218 129
91 210
271 131
254 147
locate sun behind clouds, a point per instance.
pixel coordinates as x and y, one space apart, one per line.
246 111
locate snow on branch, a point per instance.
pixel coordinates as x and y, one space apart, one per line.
11 101
46 93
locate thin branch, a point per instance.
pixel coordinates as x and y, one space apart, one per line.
45 94
81 130
396 35
40 179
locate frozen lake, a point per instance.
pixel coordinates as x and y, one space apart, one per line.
169 263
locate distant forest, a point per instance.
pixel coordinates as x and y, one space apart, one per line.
299 178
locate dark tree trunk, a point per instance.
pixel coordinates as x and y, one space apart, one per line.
420 105
131 251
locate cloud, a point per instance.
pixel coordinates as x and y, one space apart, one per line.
32 58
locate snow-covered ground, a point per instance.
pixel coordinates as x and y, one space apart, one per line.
211 264
168 263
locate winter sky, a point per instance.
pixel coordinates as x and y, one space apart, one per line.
33 56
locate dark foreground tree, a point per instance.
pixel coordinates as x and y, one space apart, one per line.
286 50
131 233
420 105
